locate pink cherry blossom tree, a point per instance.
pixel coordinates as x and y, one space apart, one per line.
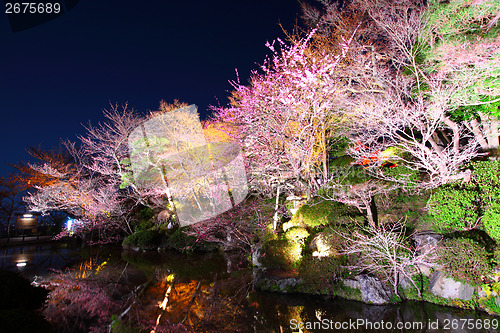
283 119
88 186
409 93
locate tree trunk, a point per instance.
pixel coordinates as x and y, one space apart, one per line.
492 134
8 225
324 153
475 127
456 133
11 212
396 281
276 217
371 212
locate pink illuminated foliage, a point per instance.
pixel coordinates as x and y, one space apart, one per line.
409 93
95 184
382 74
283 120
88 186
78 305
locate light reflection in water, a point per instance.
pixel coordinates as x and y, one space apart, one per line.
204 297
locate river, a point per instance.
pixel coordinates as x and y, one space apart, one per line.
214 293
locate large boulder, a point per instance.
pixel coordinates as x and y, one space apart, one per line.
372 289
443 286
426 241
275 281
256 254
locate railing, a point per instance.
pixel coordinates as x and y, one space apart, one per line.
25 239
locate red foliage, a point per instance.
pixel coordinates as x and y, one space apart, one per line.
78 305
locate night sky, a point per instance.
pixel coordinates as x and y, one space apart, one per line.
61 74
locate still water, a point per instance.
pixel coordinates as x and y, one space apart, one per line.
214 293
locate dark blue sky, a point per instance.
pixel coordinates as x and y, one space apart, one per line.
59 75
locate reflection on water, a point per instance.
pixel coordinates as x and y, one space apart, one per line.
283 313
170 292
38 259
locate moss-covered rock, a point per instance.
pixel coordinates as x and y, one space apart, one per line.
443 286
320 275
184 243
281 254
326 243
297 234
424 285
372 289
344 291
322 212
143 239
464 260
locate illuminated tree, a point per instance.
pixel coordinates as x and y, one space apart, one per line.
96 181
10 201
96 204
86 186
388 253
413 96
59 160
104 148
360 195
461 47
283 118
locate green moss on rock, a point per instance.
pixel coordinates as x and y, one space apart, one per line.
320 273
321 212
297 234
464 260
184 243
281 254
143 239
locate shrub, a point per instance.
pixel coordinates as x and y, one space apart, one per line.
491 219
340 166
144 225
320 274
144 239
144 218
281 253
130 240
464 260
322 212
403 174
461 206
487 175
454 208
148 239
